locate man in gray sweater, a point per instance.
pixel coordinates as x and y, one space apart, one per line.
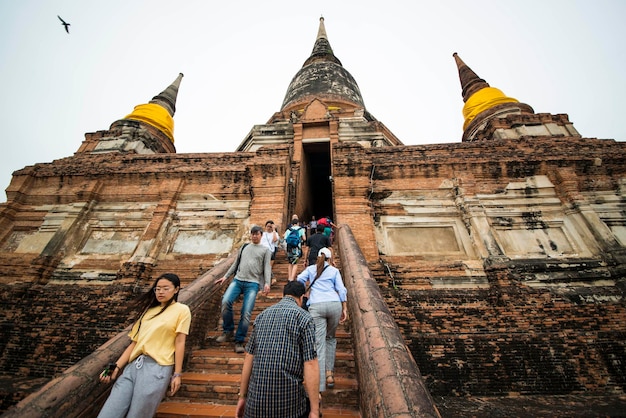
252 270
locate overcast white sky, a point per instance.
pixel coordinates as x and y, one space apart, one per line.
238 57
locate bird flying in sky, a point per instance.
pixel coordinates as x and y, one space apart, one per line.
64 23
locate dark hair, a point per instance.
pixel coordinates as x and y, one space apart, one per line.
256 229
319 265
269 222
294 288
319 228
148 300
295 221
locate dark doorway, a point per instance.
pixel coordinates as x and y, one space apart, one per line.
318 180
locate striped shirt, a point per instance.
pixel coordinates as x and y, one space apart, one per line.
282 339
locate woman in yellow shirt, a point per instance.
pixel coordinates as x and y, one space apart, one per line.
154 356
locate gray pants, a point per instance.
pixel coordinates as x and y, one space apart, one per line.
138 391
326 317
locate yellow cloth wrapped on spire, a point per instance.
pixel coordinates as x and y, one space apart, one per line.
154 115
482 100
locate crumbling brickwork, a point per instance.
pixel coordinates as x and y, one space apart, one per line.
48 328
82 236
494 310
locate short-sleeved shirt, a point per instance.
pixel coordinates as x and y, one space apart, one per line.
282 339
267 240
315 243
157 334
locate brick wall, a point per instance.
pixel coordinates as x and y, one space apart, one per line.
535 343
48 328
59 305
524 327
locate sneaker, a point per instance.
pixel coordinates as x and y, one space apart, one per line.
226 336
239 348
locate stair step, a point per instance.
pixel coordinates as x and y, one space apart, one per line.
211 378
210 388
191 378
340 334
179 409
226 355
225 361
213 373
202 410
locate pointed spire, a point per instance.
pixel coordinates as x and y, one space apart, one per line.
322 49
482 102
167 98
322 76
159 111
470 82
321 32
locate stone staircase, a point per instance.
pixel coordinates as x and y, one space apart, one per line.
212 374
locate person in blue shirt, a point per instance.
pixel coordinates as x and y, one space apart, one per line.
327 306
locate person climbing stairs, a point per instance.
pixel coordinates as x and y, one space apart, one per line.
212 374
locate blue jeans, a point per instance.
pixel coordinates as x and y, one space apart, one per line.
249 291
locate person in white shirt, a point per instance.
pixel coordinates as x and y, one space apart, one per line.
270 240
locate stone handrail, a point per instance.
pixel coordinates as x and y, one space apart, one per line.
390 382
77 392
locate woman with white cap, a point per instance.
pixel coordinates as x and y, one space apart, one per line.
327 306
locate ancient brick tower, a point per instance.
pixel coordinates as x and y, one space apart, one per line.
501 255
323 106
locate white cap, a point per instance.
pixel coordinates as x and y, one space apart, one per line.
326 252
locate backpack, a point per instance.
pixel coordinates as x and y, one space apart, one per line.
293 239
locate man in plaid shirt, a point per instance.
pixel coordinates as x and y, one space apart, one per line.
280 376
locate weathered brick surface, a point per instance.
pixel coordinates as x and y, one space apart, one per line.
31 342
511 327
77 391
530 327
56 314
466 346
